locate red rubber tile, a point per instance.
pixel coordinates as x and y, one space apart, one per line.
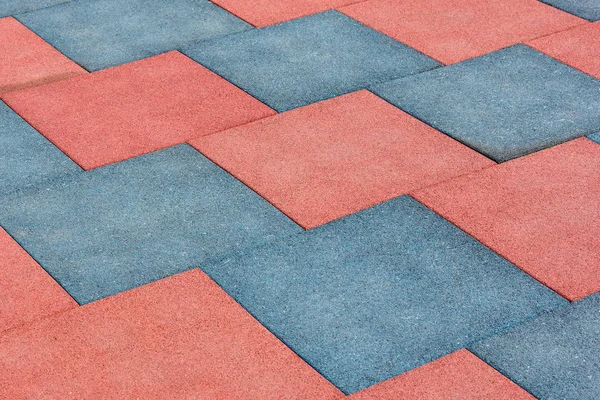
27 60
578 47
330 159
540 211
460 375
135 108
181 337
27 292
262 13
453 31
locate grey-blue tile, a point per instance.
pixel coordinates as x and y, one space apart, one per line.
12 7
26 157
588 9
102 33
504 104
595 137
380 292
308 59
130 223
555 356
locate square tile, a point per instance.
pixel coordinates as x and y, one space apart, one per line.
459 375
127 224
179 338
588 9
125 111
577 47
12 7
554 356
380 292
330 159
262 13
505 104
27 292
103 33
540 212
309 59
27 60
26 157
454 31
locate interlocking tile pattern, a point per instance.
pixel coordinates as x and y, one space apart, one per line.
27 292
266 12
136 108
453 31
102 33
12 7
199 342
309 59
310 200
554 356
26 157
380 292
27 60
588 9
539 211
595 137
330 159
577 47
459 375
505 104
130 223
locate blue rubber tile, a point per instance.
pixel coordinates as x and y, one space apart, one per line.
555 356
102 33
504 104
595 137
308 59
26 157
588 9
126 224
380 292
11 7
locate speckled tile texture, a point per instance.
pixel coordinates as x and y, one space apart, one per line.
29 61
505 104
131 223
454 31
554 356
381 292
588 9
577 47
125 112
308 59
299 200
103 33
537 211
27 158
194 337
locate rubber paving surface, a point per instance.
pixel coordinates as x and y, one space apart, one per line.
459 375
326 160
381 292
309 59
459 30
588 9
28 158
125 111
313 199
27 60
12 7
505 104
103 33
577 47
